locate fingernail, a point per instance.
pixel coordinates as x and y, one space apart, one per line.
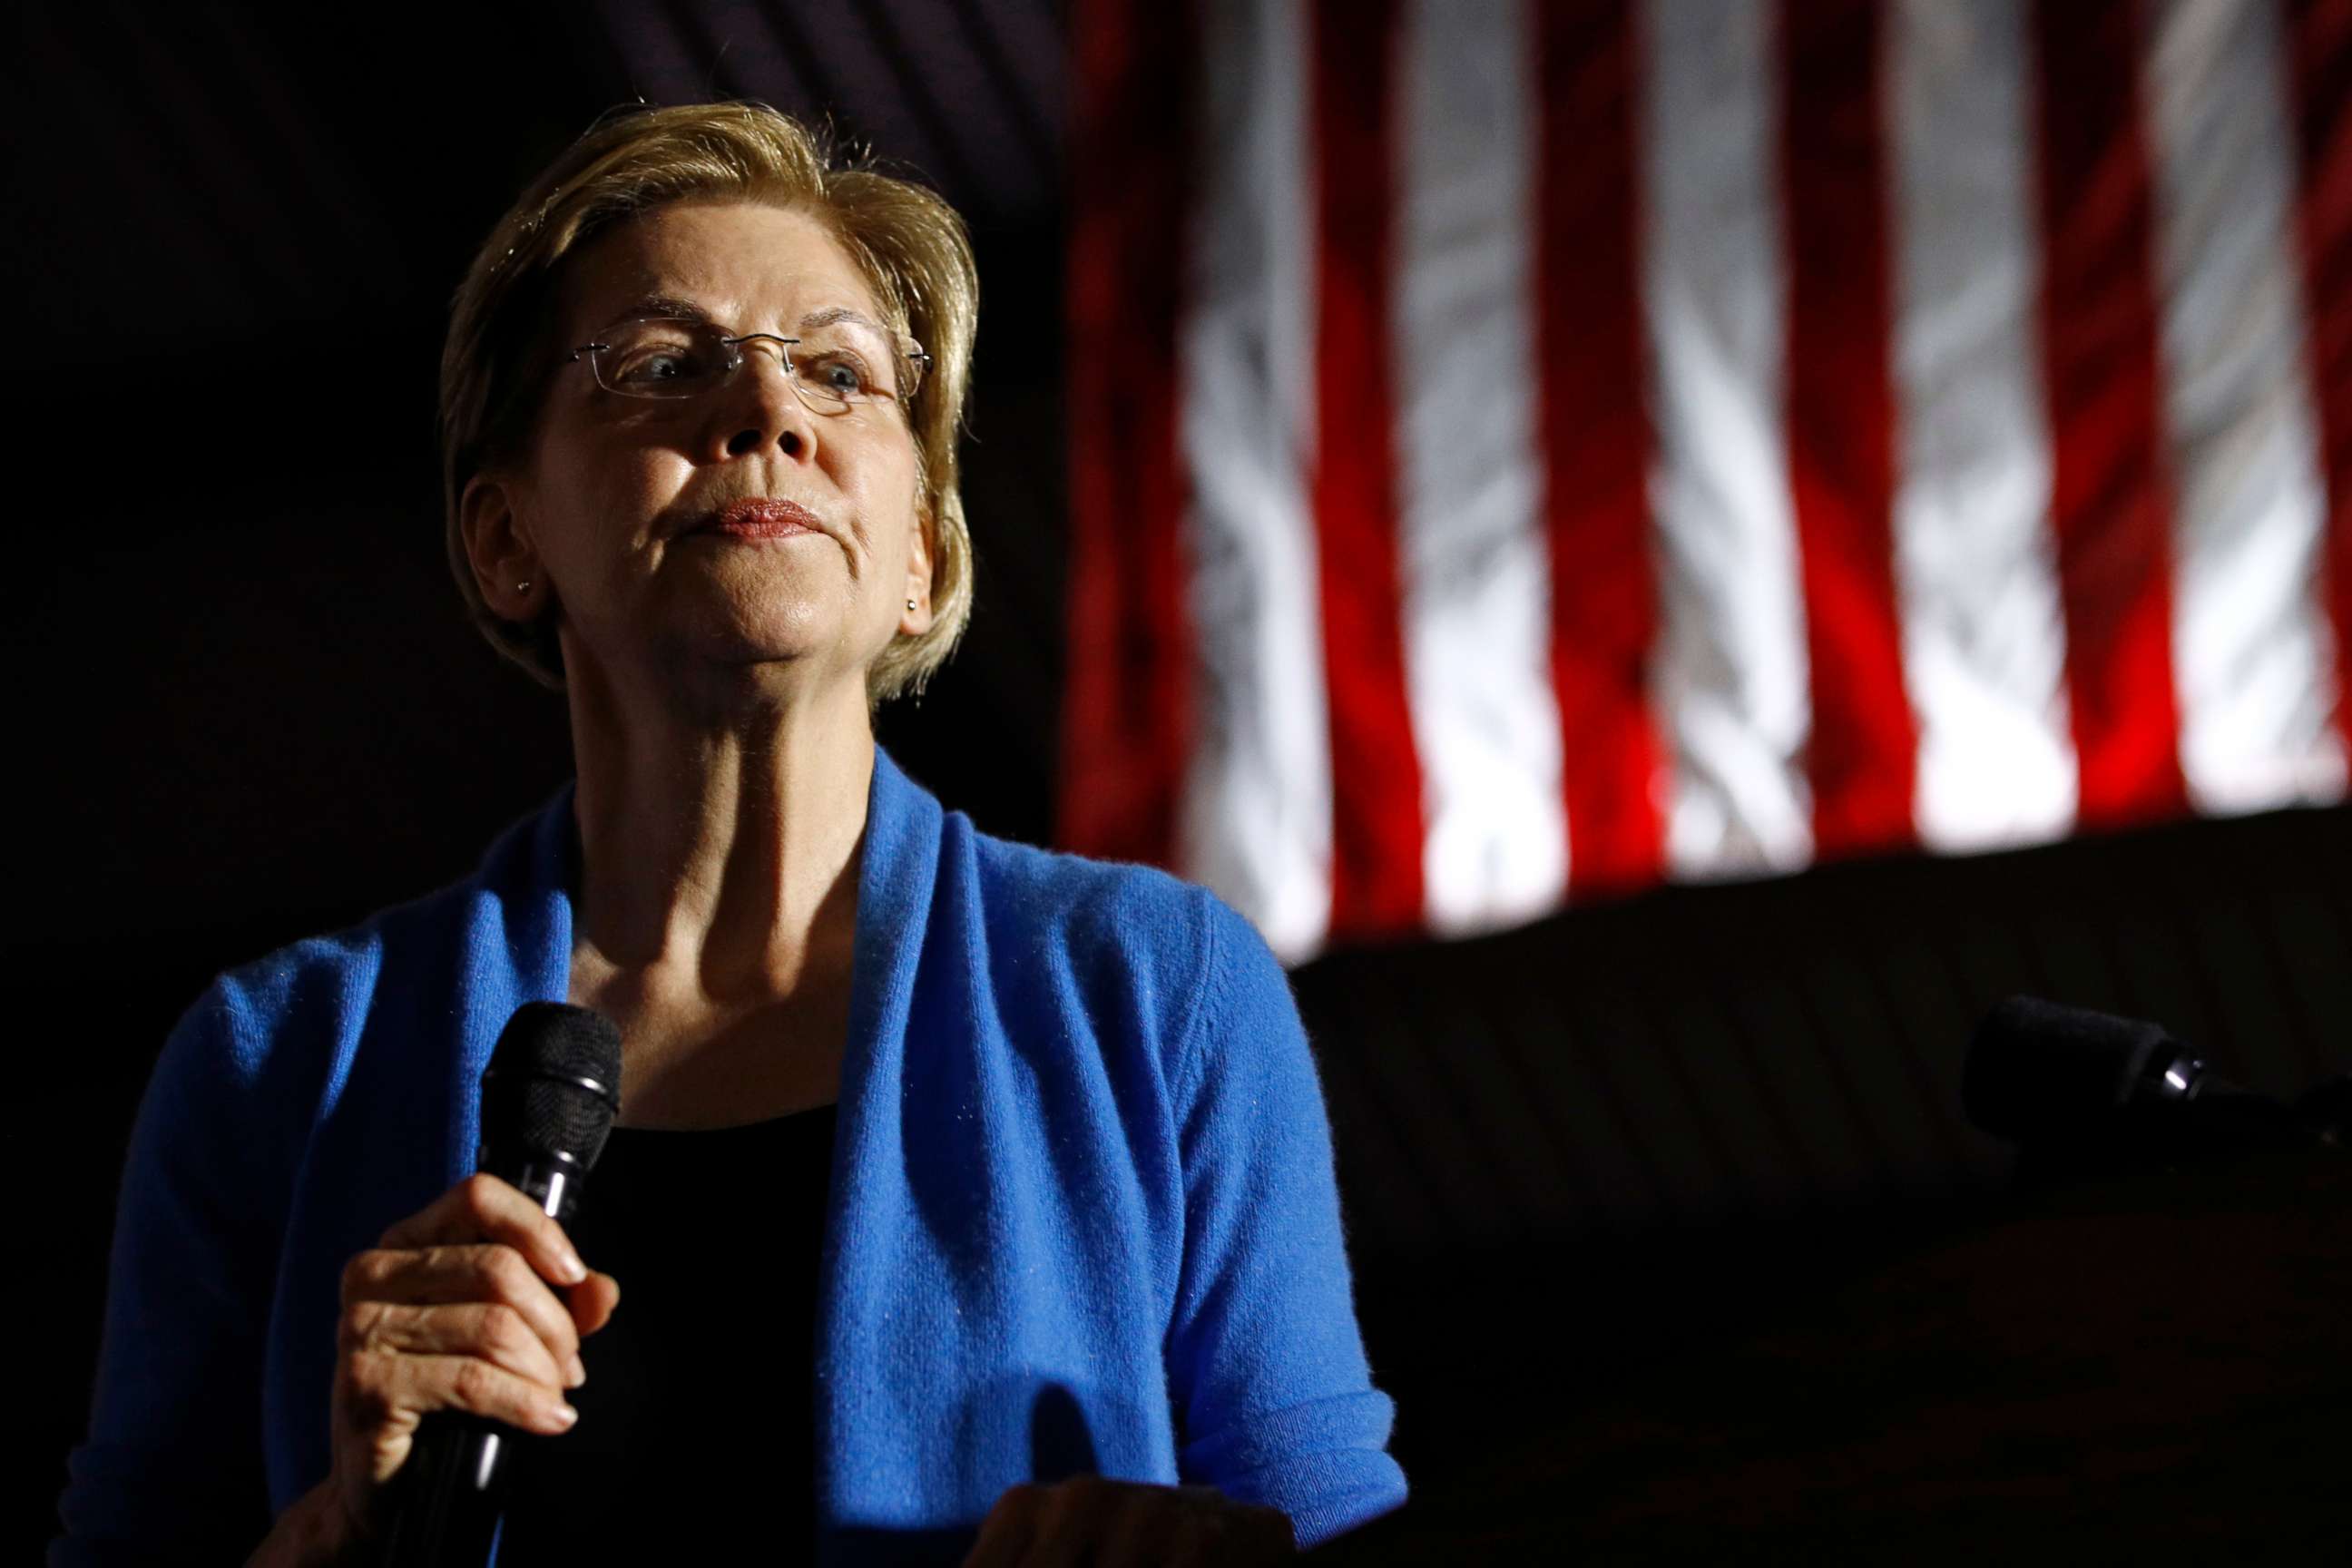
564 1414
572 1269
579 1372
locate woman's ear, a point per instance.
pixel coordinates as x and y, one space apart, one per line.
915 619
506 568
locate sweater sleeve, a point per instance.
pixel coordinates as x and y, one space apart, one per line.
171 1469
1266 1362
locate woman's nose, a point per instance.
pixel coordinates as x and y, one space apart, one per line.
760 406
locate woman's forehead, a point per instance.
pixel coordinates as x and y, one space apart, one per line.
747 264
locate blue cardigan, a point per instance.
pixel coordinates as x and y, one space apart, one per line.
1082 1216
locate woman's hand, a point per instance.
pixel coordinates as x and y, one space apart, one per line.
1128 1524
454 1309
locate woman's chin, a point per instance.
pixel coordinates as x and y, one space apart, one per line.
793 653
769 626
781 636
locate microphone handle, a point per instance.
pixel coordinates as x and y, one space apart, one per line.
452 1489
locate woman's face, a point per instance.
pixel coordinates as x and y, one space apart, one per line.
615 488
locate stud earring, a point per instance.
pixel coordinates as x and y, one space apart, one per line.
910 606
522 587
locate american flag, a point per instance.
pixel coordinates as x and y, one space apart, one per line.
1525 452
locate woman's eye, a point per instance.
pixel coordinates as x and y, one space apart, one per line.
660 362
837 373
646 369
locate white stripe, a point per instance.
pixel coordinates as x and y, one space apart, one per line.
1257 818
1475 568
1984 637
2251 652
1732 680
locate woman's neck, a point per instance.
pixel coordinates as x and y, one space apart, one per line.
720 840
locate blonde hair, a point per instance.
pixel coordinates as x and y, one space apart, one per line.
908 244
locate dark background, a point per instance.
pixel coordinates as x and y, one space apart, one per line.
1596 1171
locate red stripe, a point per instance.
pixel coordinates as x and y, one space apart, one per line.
1127 699
2109 506
1376 811
1597 443
1863 753
2322 47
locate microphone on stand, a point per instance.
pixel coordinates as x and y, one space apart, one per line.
549 1097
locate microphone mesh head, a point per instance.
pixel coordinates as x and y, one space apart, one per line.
2036 1069
533 1101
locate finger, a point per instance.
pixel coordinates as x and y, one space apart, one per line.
592 1302
482 1272
484 1208
385 1387
491 1329
1004 1534
1267 1533
1134 1533
1072 1517
1191 1539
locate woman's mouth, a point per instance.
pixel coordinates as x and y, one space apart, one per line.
760 517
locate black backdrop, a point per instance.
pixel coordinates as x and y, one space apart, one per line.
252 711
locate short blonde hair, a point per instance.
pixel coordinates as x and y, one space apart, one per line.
908 244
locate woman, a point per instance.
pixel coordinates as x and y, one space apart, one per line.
976 1203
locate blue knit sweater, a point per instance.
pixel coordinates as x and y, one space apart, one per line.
1082 1214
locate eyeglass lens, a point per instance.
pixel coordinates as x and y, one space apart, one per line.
838 366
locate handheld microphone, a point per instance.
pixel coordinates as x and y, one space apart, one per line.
549 1097
2053 1078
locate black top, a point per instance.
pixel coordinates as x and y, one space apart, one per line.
696 1429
